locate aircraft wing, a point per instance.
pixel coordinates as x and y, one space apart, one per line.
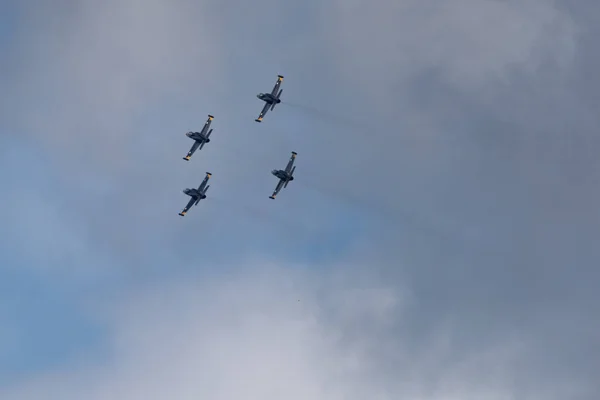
288 168
277 189
263 112
277 85
188 206
192 150
207 124
204 182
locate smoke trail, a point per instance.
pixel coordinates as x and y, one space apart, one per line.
328 116
412 223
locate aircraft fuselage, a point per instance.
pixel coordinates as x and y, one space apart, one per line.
197 136
269 98
281 174
194 193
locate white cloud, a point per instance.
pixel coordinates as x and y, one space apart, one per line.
266 333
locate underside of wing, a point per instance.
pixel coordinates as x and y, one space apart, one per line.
188 206
277 189
204 182
207 124
192 150
263 112
277 85
288 167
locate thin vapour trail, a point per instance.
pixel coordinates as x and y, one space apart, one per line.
353 200
328 116
411 223
407 134
369 132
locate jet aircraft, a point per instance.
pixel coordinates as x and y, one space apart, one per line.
271 99
196 194
285 176
200 138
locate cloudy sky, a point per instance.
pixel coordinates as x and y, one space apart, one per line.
440 241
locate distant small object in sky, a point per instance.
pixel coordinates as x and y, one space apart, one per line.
271 99
285 176
200 138
196 194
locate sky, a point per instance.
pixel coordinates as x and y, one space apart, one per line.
439 241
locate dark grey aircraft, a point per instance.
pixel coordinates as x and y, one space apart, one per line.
285 176
271 99
196 194
200 138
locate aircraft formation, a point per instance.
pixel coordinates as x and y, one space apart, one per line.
201 138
